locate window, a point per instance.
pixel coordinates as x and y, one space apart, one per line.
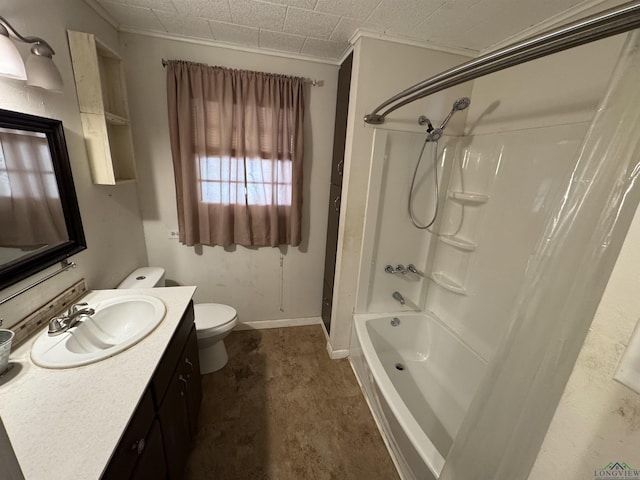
237 148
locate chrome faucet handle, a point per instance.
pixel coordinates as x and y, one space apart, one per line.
74 308
400 269
57 325
390 269
412 268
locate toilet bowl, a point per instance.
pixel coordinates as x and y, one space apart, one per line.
214 321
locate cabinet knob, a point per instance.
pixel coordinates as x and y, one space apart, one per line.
138 446
190 365
186 384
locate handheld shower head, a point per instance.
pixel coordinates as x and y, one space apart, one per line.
460 104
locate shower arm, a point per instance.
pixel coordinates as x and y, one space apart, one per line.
589 29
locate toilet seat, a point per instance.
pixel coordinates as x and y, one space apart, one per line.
210 318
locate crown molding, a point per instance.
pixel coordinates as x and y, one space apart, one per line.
565 16
230 46
363 33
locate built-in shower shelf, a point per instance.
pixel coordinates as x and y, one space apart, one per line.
459 243
470 198
445 282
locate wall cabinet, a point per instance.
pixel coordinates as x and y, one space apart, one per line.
157 440
337 168
104 110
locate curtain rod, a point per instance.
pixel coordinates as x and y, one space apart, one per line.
310 81
601 25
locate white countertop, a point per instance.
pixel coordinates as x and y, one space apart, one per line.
65 424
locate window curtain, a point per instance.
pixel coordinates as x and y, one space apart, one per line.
237 146
30 210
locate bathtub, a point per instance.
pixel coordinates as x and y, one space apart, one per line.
419 379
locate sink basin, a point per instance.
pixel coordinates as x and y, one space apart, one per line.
118 323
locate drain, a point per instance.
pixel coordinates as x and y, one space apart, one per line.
395 322
399 366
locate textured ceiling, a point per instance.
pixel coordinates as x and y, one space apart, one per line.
322 28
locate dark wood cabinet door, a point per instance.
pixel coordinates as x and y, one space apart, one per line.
127 453
151 463
340 128
174 424
191 371
327 302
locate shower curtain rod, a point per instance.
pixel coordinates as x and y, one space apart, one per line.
601 25
310 81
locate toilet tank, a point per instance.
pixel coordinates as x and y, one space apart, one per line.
145 277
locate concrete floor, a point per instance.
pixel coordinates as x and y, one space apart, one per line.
282 410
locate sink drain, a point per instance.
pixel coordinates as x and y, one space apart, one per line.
399 366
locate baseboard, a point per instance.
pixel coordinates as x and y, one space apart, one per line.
280 323
336 354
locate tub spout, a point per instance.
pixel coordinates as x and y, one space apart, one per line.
397 296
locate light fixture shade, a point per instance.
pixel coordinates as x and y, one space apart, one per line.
11 64
43 73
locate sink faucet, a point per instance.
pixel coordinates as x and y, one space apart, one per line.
62 323
397 296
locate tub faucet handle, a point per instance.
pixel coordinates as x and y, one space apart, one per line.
400 269
412 268
390 269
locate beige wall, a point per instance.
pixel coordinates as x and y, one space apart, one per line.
380 70
110 215
261 283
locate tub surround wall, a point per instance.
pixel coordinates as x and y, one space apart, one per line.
110 215
521 173
389 236
380 70
282 283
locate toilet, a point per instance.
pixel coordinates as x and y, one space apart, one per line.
214 321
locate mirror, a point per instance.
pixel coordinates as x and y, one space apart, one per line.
40 221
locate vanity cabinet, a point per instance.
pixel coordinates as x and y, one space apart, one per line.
104 109
157 440
179 407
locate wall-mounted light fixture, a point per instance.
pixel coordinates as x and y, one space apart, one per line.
40 71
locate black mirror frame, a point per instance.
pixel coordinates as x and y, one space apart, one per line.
13 272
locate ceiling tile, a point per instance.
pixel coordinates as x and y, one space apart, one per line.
322 27
160 4
134 17
308 4
357 9
281 41
405 13
311 24
226 32
258 14
184 24
210 9
346 28
324 48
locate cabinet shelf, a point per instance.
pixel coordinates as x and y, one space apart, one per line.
113 119
469 198
459 243
104 110
445 282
